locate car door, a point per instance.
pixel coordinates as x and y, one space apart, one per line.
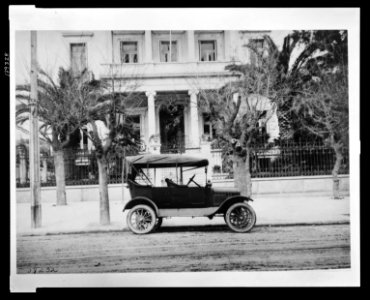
162 197
196 197
188 197
179 196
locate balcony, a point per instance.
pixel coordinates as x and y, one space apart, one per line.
159 70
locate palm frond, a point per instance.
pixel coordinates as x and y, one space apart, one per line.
21 109
42 72
22 97
21 119
23 87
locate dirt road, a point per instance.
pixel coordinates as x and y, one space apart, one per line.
184 249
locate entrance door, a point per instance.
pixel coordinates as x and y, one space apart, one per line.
171 119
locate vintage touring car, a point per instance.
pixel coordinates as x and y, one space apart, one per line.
149 204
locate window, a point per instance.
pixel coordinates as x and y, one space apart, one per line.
262 122
84 140
135 122
257 45
207 50
208 131
129 52
167 53
78 58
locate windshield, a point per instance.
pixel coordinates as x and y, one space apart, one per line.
158 176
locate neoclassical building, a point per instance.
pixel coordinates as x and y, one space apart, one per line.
167 69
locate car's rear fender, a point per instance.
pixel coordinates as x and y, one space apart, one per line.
141 200
230 201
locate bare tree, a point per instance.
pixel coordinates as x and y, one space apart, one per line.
105 116
240 109
323 105
275 81
318 84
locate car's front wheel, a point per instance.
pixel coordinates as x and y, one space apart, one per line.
141 219
240 217
158 223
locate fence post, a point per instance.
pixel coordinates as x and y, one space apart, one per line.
206 151
44 169
22 167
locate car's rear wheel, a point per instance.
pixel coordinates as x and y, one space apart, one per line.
240 217
141 219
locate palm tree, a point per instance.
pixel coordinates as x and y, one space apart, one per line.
317 98
319 50
275 77
59 111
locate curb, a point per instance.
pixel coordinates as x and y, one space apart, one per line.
191 228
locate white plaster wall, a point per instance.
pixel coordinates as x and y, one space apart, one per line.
53 51
261 103
242 52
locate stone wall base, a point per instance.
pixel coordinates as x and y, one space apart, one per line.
259 186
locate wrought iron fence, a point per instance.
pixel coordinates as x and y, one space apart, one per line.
80 167
289 159
298 159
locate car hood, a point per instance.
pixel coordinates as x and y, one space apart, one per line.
226 190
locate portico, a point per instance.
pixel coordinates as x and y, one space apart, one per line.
169 68
173 121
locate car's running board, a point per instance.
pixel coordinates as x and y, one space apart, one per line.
187 212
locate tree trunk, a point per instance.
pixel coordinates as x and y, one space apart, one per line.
248 176
60 177
335 171
242 175
103 191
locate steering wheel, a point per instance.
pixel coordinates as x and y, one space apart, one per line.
191 180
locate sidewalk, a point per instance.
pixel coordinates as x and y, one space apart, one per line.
277 209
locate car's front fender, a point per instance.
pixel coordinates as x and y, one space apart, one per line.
140 200
244 198
230 201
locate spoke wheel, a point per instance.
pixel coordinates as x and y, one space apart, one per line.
141 219
240 217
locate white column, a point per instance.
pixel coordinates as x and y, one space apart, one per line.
227 45
90 145
148 46
154 144
194 119
82 139
191 46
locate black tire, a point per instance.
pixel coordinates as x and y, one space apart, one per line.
141 219
158 223
240 217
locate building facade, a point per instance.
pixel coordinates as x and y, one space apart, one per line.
166 68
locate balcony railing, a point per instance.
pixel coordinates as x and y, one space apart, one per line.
166 69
